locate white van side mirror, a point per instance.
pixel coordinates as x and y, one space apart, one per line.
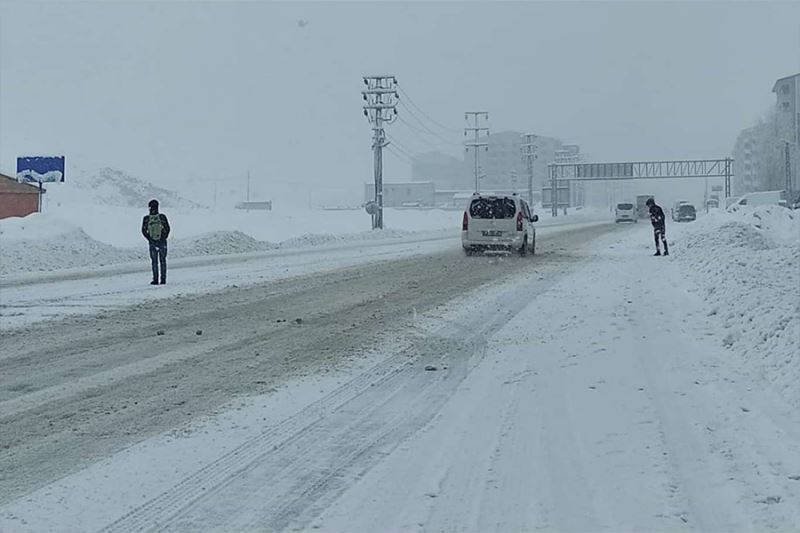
535 218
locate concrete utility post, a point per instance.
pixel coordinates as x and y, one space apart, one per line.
787 167
380 108
528 149
476 130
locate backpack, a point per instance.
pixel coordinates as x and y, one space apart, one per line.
155 227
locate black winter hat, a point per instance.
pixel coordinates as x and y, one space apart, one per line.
152 204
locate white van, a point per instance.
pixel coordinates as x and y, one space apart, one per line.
753 199
625 212
498 223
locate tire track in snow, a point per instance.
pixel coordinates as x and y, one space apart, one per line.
274 471
285 446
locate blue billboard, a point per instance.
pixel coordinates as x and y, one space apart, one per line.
40 169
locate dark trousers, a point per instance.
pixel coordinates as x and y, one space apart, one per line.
158 256
660 236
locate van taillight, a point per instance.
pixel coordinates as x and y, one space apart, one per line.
465 223
519 221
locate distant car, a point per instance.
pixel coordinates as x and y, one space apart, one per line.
625 213
684 213
674 209
497 222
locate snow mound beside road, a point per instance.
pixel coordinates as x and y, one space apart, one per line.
44 242
734 234
64 249
218 243
747 267
319 239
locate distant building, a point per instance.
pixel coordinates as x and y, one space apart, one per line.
747 162
18 199
445 171
787 120
787 107
404 194
502 166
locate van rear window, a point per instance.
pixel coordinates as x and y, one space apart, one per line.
492 208
625 206
686 209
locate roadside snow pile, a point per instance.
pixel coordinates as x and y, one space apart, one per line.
45 242
319 239
41 243
33 227
218 243
748 265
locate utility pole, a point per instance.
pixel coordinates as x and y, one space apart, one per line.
380 108
476 130
787 166
248 184
528 149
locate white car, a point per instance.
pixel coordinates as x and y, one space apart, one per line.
494 222
625 213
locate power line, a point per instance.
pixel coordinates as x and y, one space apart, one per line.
411 101
406 151
430 131
440 141
393 150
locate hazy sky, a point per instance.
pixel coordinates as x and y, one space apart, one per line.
172 90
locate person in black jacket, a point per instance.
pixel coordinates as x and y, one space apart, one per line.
658 220
155 228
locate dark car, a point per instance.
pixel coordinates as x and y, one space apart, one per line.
684 213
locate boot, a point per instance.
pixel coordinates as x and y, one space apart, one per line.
154 282
658 252
163 281
666 250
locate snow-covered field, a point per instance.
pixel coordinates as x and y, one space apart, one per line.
594 388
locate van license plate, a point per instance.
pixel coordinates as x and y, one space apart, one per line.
493 233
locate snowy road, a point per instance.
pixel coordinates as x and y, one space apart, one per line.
577 390
35 296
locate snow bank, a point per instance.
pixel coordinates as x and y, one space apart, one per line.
42 243
218 243
36 226
748 266
318 239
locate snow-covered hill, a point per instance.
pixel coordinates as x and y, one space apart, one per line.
112 187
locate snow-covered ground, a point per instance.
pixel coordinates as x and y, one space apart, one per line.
630 393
